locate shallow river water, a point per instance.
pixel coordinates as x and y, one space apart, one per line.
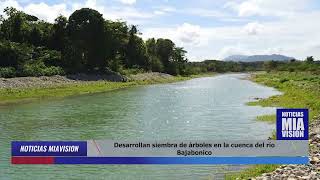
211 108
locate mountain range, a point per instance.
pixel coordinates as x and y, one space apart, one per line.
244 58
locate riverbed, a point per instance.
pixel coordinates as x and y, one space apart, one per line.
211 108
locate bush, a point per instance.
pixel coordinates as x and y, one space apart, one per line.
190 70
132 71
291 69
49 57
283 80
14 54
115 65
7 72
39 69
53 70
156 65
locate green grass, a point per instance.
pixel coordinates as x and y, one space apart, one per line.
300 90
271 118
30 94
253 171
26 94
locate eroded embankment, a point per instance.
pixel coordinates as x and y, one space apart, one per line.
46 81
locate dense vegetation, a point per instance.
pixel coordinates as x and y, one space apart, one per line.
85 42
228 66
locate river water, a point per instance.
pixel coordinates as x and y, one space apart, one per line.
211 108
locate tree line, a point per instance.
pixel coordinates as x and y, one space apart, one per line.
309 64
85 42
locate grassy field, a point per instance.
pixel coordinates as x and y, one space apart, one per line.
29 94
300 90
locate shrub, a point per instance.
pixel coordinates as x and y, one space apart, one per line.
40 69
156 65
283 80
7 72
115 65
132 71
53 70
49 57
14 54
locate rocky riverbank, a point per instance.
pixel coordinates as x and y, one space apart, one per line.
304 172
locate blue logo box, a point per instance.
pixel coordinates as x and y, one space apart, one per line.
292 124
49 148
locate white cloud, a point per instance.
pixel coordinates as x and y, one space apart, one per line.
126 13
281 8
253 28
206 13
248 8
164 10
158 12
188 33
46 12
41 10
50 12
128 2
293 36
9 3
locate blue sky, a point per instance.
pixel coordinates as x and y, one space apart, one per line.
208 29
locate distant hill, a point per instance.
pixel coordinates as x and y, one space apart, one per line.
243 58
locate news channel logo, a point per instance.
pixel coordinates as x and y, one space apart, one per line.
292 124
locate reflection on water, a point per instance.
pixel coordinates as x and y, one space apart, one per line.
206 108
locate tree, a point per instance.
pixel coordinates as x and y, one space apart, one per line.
136 50
11 27
309 59
86 32
85 42
179 61
14 54
24 28
35 36
151 46
270 65
117 39
154 63
165 51
58 37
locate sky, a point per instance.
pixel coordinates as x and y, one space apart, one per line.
207 29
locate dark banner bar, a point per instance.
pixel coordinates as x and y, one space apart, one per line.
49 148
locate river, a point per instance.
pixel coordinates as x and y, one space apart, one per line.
208 108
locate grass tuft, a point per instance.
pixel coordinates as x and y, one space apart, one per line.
253 171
